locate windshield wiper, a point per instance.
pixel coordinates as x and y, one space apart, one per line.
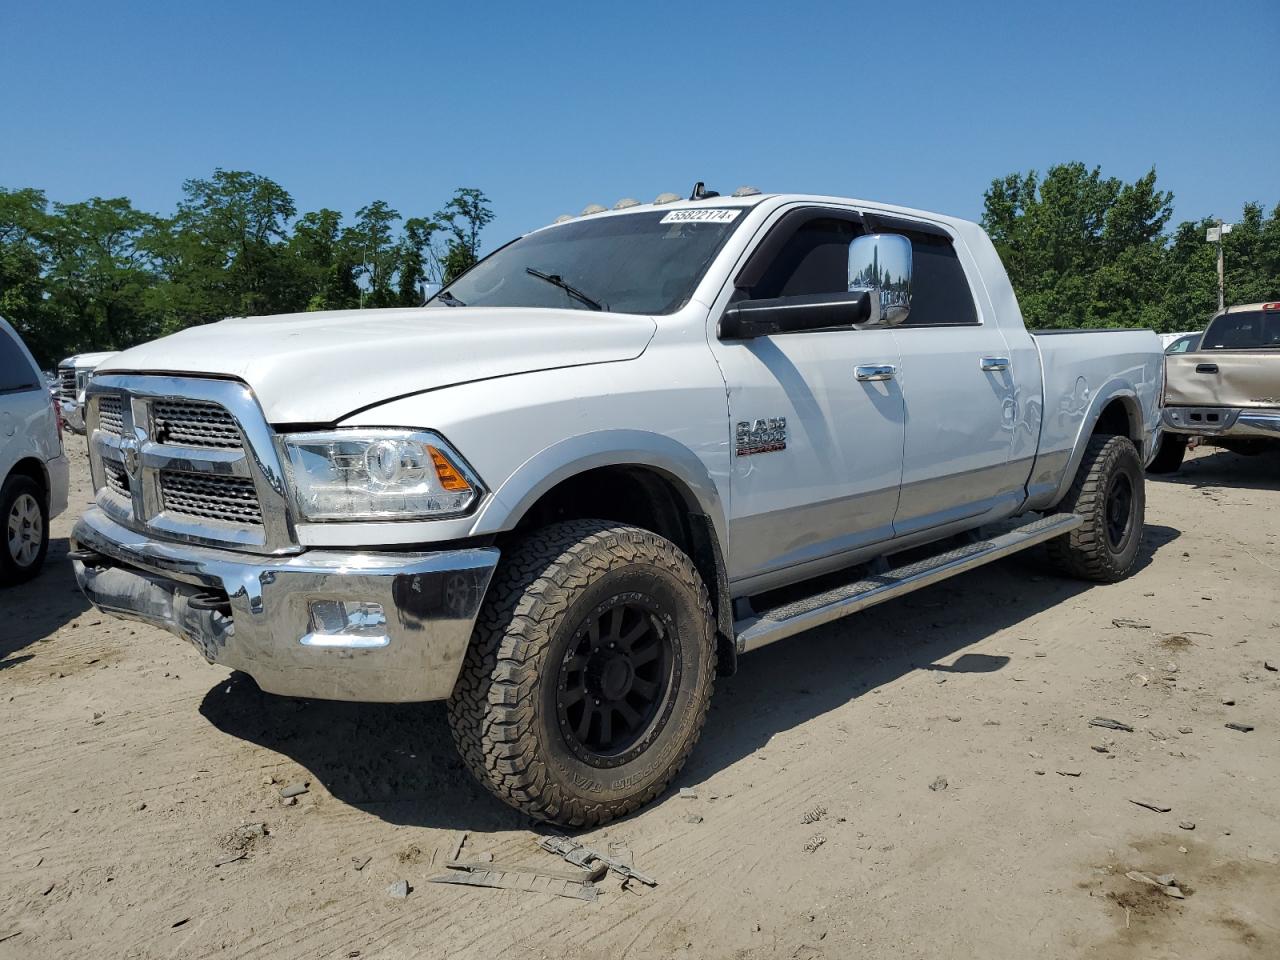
566 286
449 300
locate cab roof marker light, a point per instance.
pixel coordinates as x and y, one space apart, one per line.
591 208
1271 306
666 198
626 202
747 192
564 217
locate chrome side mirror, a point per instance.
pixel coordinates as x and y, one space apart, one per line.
880 265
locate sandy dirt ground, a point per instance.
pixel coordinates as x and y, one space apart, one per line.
921 780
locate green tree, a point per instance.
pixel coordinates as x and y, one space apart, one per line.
463 218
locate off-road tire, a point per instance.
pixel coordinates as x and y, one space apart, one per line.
1090 552
504 712
11 571
1168 458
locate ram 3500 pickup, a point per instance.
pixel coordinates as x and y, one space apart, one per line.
602 464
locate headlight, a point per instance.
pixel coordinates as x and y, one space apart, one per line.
377 475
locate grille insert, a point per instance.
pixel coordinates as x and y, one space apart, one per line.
194 423
211 497
67 383
117 479
111 414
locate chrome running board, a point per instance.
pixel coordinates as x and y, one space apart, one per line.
800 615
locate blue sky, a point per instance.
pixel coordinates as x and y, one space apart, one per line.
550 106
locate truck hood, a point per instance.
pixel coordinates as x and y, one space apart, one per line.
320 367
1223 378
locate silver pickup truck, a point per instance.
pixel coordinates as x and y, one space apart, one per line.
603 464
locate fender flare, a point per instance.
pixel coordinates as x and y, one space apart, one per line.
1112 390
566 458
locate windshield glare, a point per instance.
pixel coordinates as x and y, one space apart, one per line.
632 263
1243 330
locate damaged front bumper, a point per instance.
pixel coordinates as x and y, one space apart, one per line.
389 627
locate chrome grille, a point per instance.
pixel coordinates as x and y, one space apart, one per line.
194 423
188 459
117 479
66 383
210 497
111 414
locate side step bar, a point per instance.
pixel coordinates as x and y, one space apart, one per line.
800 615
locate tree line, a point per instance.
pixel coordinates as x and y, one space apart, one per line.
103 275
1083 250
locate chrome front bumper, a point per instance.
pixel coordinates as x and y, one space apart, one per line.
265 626
1223 421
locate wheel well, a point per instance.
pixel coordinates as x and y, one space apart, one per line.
33 468
1117 419
641 496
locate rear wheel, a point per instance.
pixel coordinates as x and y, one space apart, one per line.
1168 458
24 524
1108 493
589 675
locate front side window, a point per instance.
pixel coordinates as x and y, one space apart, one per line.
1243 330
647 263
16 371
814 260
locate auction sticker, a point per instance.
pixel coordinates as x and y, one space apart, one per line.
701 216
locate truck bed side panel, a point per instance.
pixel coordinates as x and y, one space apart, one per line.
1084 371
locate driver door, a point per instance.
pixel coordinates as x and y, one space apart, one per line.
816 451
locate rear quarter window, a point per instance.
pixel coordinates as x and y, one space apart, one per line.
16 372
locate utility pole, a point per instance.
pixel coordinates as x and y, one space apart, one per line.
1215 235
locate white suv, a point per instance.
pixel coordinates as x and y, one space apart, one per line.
33 466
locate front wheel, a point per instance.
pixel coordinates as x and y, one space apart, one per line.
589 674
1108 493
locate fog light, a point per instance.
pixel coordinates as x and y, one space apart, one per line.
346 623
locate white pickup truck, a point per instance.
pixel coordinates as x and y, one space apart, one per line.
601 465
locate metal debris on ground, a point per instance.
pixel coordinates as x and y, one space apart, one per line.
814 842
814 815
1187 824
688 793
1073 772
518 878
360 862
1131 624
1156 805
294 790
457 847
1110 724
1242 727
938 784
693 818
1165 882
239 856
581 856
398 890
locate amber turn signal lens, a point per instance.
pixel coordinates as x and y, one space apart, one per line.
449 477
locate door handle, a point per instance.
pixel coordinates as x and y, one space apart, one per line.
875 371
995 364
1206 368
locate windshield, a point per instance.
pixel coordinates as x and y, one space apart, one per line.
633 263
1243 330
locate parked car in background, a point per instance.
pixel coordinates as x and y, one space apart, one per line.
73 377
1181 342
1226 389
614 455
33 466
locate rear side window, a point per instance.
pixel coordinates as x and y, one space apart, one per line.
1245 330
940 291
16 371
